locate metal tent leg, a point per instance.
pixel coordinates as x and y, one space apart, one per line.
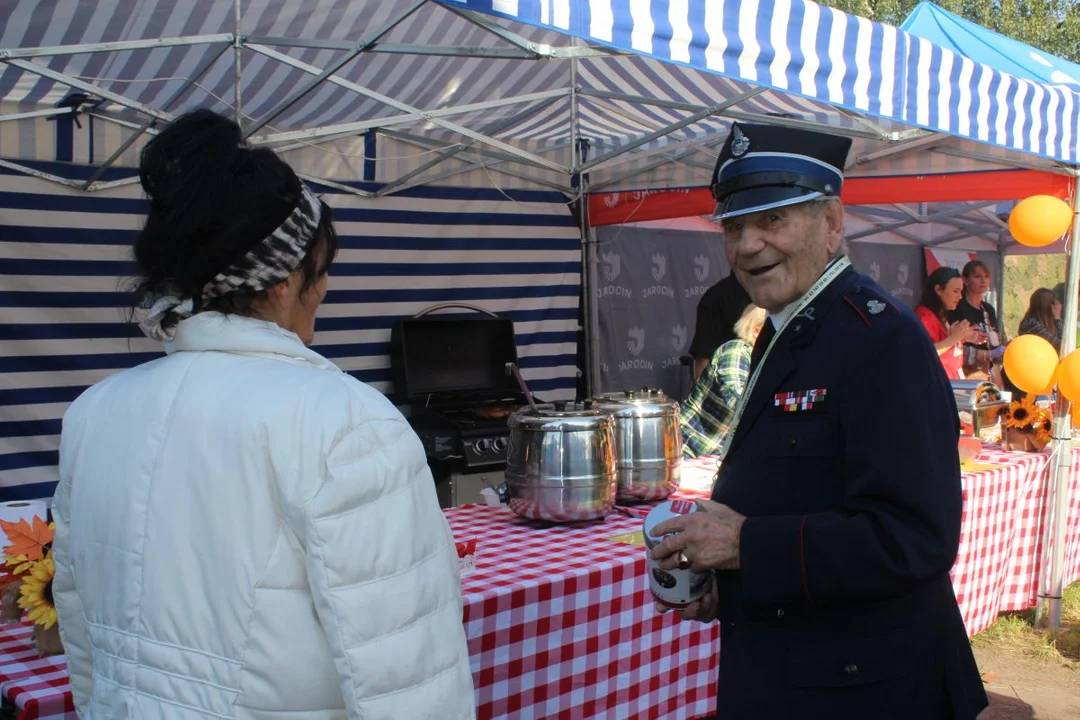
1061 459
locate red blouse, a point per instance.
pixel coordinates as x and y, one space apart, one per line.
952 360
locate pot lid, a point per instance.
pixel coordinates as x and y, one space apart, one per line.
562 415
638 402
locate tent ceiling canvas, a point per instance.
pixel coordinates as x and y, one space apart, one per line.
404 93
983 45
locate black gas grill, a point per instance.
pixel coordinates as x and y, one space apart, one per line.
451 373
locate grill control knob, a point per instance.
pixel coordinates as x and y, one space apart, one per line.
482 445
499 444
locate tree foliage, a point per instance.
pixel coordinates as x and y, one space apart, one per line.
1050 25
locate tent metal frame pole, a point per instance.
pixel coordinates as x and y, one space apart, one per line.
999 286
148 124
946 239
592 317
975 228
993 218
336 185
39 174
929 218
327 72
866 122
355 128
75 82
537 50
32 114
416 113
397 48
677 157
115 46
901 212
717 109
238 67
1061 457
899 149
732 114
905 210
448 153
472 165
431 144
1021 164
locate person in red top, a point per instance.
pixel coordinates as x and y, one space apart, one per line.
941 294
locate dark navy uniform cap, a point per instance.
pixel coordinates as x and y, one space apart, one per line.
764 166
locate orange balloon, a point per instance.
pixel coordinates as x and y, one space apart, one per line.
1030 363
1074 413
1040 220
1069 376
1053 382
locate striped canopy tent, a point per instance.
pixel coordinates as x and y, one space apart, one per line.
635 95
380 100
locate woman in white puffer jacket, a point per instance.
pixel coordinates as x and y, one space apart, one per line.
243 530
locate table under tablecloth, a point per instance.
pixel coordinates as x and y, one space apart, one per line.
560 622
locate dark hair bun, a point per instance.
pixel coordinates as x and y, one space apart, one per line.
194 150
212 199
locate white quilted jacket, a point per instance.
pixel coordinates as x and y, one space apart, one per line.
244 531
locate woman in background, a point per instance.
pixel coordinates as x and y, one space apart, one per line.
243 530
979 358
1043 317
940 295
705 417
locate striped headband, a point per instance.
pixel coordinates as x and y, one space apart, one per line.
270 262
276 257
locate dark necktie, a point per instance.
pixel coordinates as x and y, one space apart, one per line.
762 344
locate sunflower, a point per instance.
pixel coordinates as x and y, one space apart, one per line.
36 593
1042 437
1021 413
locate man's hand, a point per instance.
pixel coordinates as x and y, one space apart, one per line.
705 609
707 539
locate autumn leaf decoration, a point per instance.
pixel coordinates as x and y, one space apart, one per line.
28 543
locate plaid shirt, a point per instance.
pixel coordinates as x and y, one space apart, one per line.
707 414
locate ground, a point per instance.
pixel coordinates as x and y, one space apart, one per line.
1032 674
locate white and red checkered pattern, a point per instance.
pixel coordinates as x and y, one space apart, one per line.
1006 511
560 621
996 567
37 686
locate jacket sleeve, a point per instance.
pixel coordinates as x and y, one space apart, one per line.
900 522
73 630
383 574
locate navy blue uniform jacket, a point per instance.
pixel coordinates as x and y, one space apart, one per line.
842 607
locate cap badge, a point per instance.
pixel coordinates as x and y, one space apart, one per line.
875 306
740 143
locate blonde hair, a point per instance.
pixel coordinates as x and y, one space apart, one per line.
750 322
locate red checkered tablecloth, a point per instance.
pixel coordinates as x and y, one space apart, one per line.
561 624
1006 511
37 686
996 565
560 621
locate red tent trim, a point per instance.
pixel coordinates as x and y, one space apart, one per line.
639 206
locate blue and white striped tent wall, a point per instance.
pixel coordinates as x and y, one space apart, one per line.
66 254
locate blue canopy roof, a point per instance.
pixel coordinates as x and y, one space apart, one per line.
1002 53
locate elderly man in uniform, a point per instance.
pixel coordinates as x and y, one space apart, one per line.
836 514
